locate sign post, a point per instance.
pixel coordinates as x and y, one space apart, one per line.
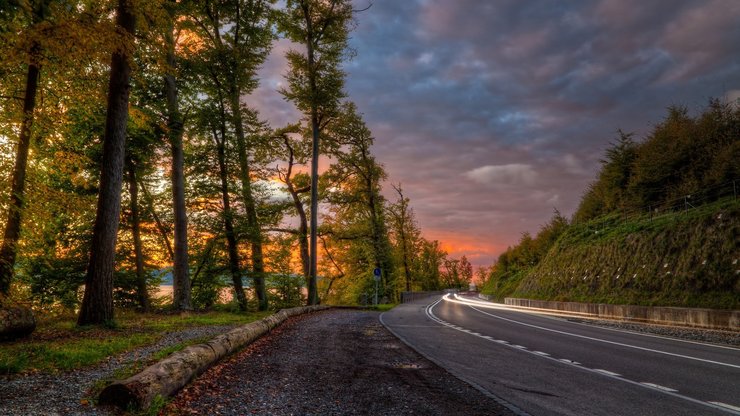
376 275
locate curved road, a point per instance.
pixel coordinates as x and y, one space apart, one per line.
542 365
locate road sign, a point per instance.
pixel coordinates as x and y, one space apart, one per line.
376 273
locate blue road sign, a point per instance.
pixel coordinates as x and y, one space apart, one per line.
376 271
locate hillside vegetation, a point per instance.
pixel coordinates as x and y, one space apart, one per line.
659 226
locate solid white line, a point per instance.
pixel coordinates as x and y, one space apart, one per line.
727 406
621 344
552 314
544 354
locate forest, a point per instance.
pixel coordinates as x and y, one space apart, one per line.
670 200
132 154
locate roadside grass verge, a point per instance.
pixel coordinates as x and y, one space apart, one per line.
59 345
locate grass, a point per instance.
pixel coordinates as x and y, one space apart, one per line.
384 307
59 345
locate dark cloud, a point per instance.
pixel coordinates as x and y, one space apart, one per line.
493 113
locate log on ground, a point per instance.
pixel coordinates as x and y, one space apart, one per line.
16 322
170 374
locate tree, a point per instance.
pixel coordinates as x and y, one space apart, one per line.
429 265
356 176
407 233
240 36
18 181
295 154
97 303
175 129
316 83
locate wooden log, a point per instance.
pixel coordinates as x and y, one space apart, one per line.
172 373
16 322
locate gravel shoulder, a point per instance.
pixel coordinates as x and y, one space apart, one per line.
336 362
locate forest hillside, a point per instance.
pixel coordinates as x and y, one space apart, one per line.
659 226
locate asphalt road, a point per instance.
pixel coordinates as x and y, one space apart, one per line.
542 365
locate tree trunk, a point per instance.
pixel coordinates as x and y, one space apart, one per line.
16 323
141 290
181 278
313 291
254 232
236 276
97 303
15 210
302 229
157 220
298 204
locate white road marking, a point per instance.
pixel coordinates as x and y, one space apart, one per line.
544 354
607 372
621 344
727 406
545 312
658 386
715 405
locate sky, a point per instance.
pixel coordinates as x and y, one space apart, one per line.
493 113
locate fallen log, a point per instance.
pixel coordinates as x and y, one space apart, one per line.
16 322
172 373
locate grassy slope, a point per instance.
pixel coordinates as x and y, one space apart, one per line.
58 344
682 259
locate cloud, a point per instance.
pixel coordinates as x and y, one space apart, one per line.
490 113
515 174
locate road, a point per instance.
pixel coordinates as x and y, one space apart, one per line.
543 365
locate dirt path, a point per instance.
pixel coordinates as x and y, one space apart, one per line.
334 362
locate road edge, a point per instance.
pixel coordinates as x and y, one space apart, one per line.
503 402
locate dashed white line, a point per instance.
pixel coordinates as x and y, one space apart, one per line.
544 354
607 372
658 386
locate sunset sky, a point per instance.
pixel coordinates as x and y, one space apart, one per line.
493 113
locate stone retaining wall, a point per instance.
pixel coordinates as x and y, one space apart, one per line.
694 317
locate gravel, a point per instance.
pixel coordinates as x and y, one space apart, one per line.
67 393
337 362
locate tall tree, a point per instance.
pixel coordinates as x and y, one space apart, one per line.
219 138
357 176
97 302
316 83
240 35
175 129
8 251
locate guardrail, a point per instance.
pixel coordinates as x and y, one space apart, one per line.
694 317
